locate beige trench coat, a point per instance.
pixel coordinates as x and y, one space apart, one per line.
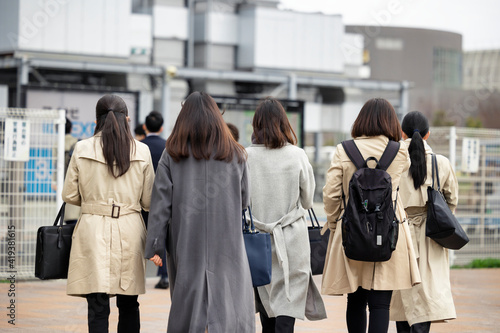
432 299
107 253
342 275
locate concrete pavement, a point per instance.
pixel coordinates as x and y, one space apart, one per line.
42 306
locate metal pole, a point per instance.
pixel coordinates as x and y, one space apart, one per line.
292 86
61 122
453 146
22 78
482 222
404 98
165 109
190 43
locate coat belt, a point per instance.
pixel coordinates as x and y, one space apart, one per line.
276 229
112 209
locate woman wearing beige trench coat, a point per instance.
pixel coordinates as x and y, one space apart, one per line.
111 177
369 283
415 308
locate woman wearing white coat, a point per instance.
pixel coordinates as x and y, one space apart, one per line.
414 309
282 187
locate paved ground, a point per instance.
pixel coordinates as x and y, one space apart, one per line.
42 306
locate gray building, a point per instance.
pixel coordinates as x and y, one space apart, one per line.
431 60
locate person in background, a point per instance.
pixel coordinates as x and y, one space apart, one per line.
139 132
110 176
367 283
153 126
282 183
71 212
414 309
200 189
234 131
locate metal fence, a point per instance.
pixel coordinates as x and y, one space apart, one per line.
29 155
475 153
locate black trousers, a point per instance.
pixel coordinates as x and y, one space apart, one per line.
404 327
280 324
98 313
378 302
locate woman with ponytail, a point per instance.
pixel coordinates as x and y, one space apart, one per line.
110 176
431 301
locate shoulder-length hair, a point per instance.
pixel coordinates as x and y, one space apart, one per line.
201 131
116 139
271 126
377 117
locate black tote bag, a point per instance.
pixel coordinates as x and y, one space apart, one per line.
258 248
318 243
442 226
53 245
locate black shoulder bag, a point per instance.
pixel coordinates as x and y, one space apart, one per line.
442 226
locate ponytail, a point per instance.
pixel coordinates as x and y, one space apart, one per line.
116 139
418 167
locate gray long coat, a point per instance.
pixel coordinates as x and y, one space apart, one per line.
196 215
282 183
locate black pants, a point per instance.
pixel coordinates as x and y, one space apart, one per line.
280 324
378 302
98 313
404 327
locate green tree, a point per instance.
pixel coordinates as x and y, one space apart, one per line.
474 122
441 119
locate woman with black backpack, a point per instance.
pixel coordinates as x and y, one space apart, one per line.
415 308
370 281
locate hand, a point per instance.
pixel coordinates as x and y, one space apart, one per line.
157 260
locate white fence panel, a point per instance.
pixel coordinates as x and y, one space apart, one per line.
28 183
478 176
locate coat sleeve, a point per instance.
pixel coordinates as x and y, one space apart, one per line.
307 183
449 183
161 210
71 190
245 188
332 191
149 177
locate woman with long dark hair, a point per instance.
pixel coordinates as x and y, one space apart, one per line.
200 189
367 283
282 183
110 176
414 309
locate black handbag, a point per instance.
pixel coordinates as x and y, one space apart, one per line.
442 226
318 243
53 245
258 248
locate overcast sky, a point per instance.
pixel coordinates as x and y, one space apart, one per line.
477 20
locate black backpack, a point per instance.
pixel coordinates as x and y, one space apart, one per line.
369 224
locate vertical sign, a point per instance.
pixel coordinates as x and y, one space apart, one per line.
17 140
470 155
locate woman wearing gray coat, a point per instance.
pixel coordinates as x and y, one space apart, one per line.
200 189
282 183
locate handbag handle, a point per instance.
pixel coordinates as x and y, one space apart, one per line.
60 215
310 210
248 228
435 167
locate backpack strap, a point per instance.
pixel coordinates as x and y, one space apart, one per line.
389 154
354 154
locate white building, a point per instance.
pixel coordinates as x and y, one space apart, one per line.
60 53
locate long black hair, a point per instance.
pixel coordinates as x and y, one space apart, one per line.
116 140
416 126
